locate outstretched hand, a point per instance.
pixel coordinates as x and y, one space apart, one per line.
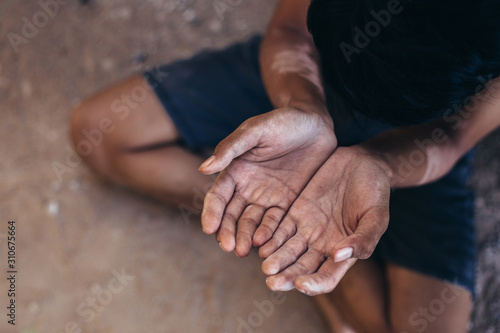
264 165
338 218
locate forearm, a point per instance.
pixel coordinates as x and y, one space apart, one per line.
421 154
414 156
289 65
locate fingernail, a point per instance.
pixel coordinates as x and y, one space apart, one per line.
207 162
287 286
312 289
343 254
269 269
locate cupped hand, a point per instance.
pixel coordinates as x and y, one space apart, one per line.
264 165
338 218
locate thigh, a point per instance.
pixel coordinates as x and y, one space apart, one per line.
419 303
128 114
383 297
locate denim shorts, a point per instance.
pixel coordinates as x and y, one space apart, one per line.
431 228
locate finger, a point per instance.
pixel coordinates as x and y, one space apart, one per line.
285 255
325 279
246 226
267 227
363 241
215 203
244 138
307 264
226 235
285 230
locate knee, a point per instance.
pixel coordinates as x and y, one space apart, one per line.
90 129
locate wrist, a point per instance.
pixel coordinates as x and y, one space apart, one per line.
379 159
317 110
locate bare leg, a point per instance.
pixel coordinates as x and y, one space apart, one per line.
331 314
137 146
398 301
358 300
420 303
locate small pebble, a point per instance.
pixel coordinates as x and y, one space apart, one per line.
34 308
189 15
26 88
215 25
107 64
53 208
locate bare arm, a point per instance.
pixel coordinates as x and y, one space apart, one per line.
422 154
352 190
268 160
289 61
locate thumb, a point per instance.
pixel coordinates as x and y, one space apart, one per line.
363 241
244 138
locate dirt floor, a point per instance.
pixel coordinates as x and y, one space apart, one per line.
92 257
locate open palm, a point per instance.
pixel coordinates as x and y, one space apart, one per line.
264 165
341 214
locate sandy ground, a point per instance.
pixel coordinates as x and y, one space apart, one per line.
91 257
